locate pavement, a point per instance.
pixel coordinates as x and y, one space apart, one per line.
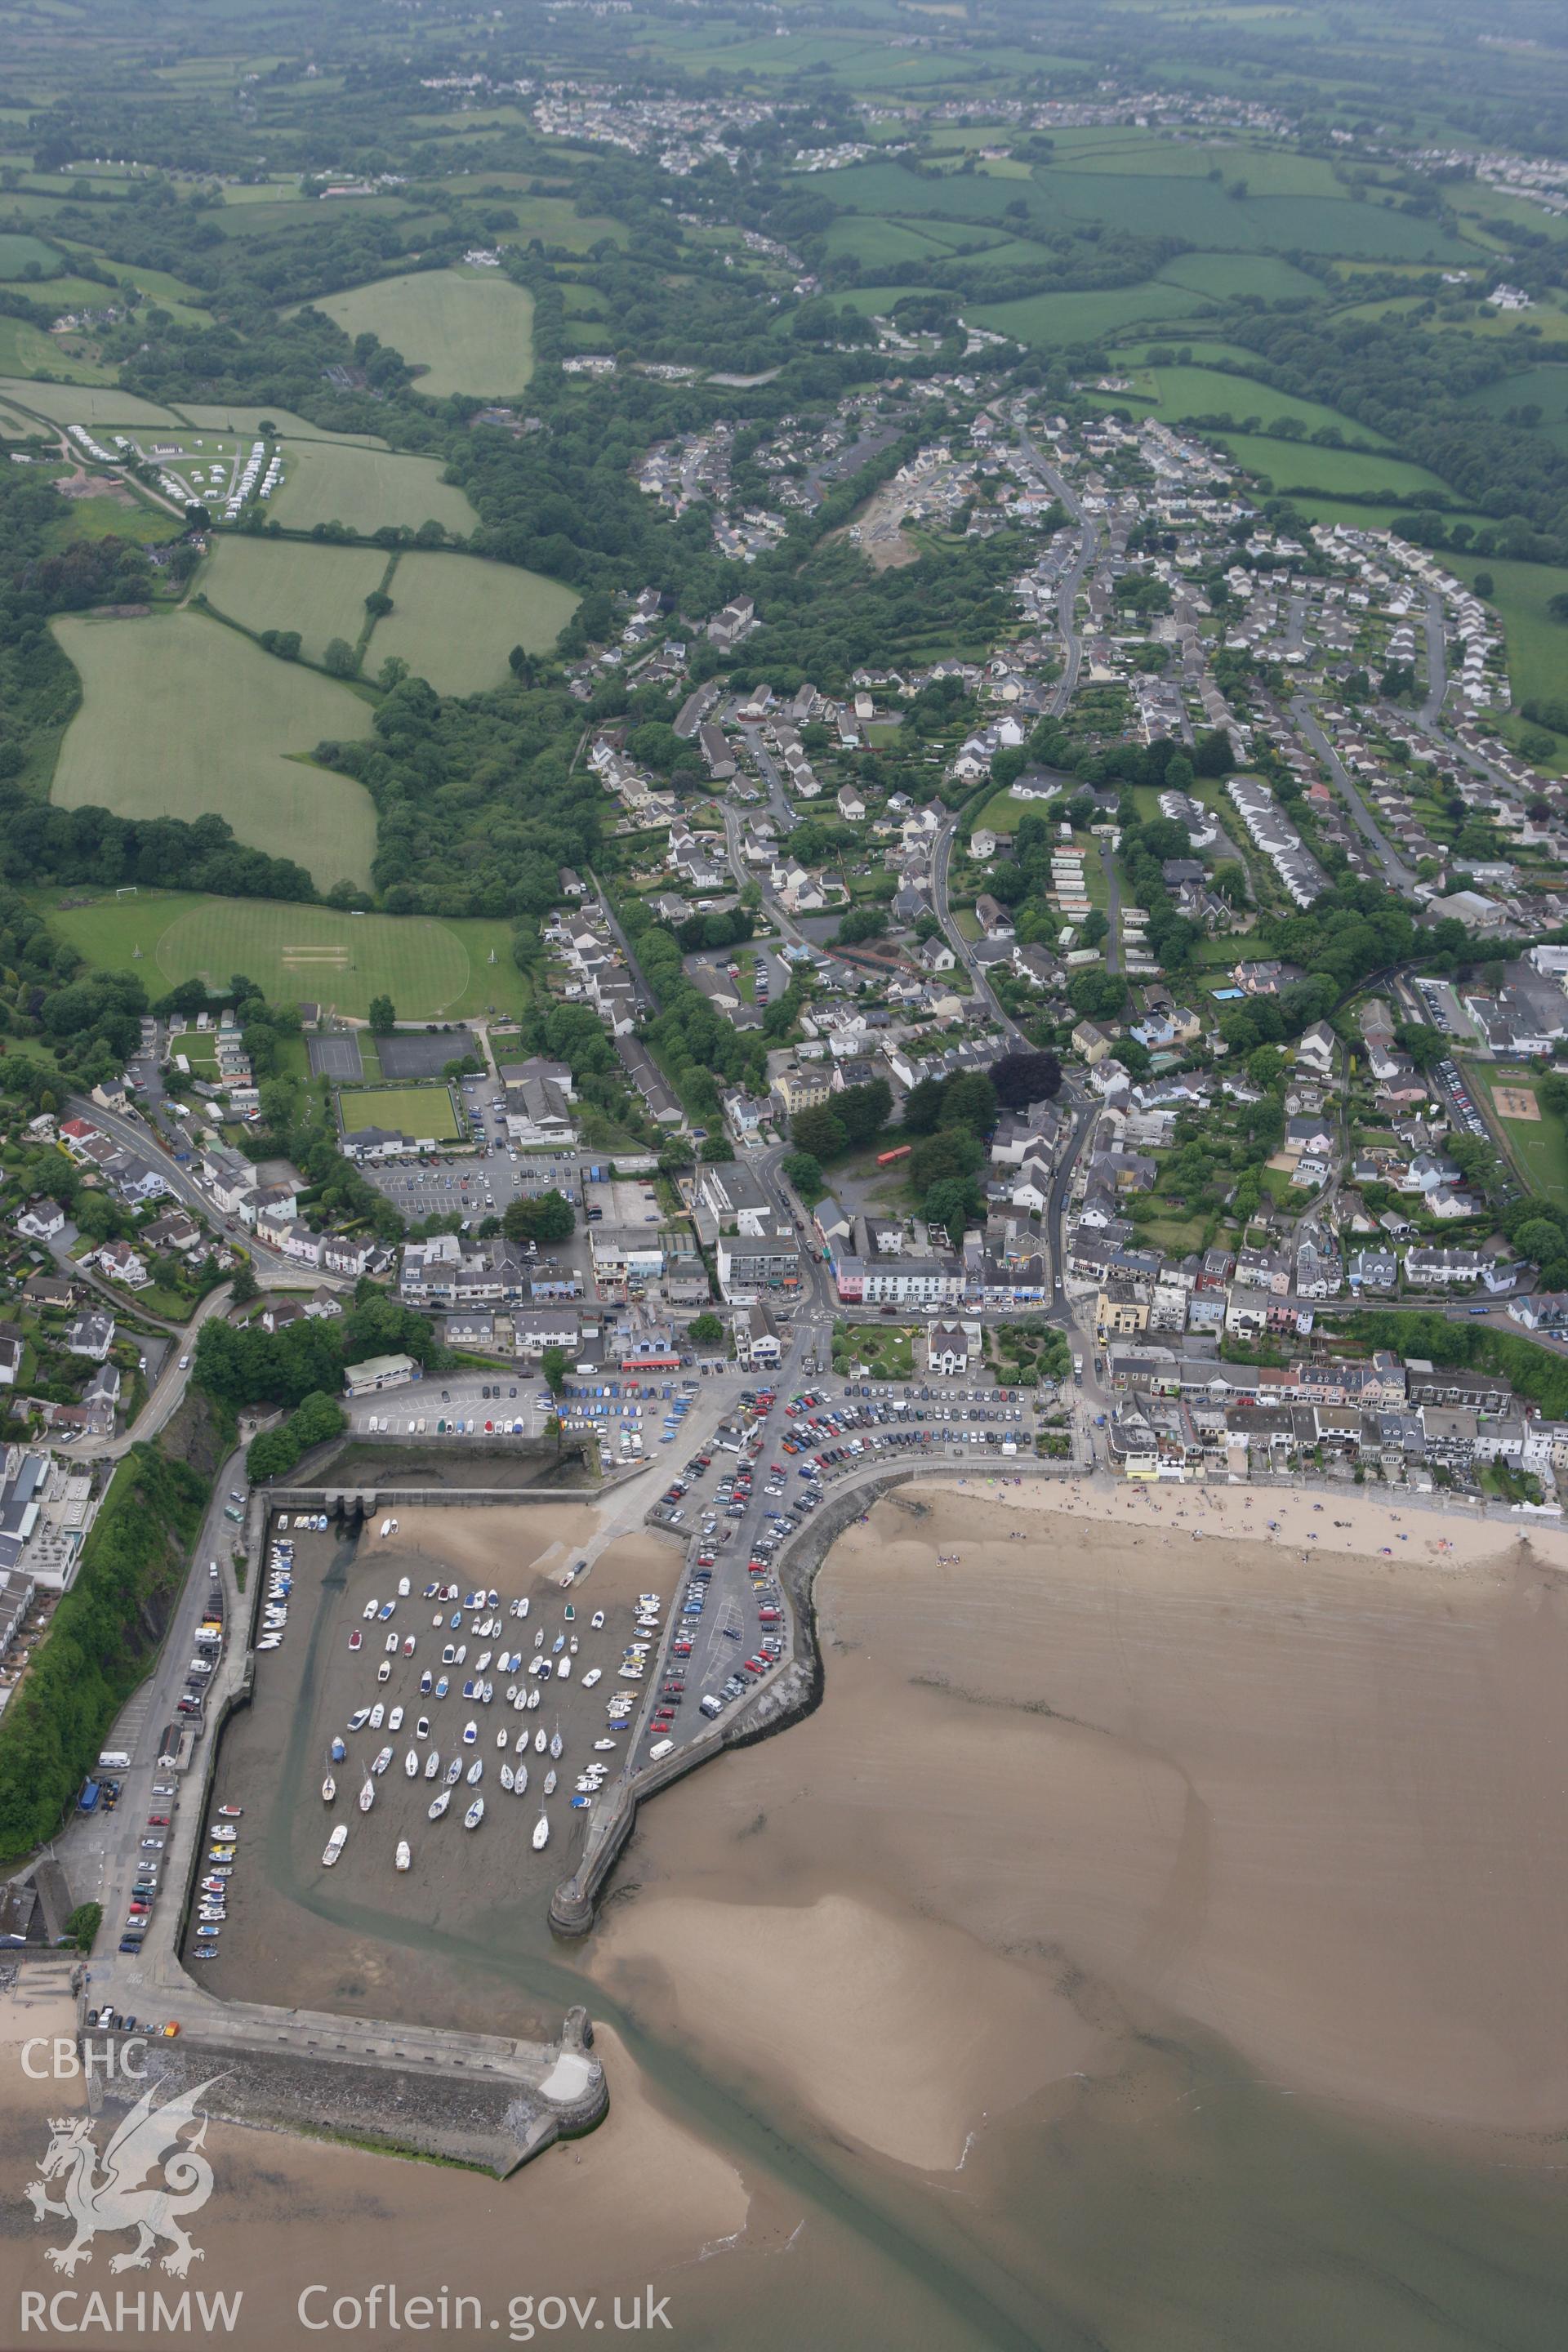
517 1393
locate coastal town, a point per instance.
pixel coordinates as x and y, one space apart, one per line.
985 1068
784 1167
871 905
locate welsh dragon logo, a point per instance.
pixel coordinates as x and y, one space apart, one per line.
124 2195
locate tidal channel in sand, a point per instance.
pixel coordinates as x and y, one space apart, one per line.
1151 1941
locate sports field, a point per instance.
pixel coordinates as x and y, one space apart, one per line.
432 971
454 619
409 1110
469 330
182 718
1535 1136
326 481
285 584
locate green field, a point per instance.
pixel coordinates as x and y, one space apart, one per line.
181 718
469 330
1001 813
432 970
327 481
17 427
1048 320
27 350
1537 644
1545 388
260 220
413 1111
1538 1145
113 517
877 301
17 248
247 423
1181 393
292 584
1201 352
882 243
1156 203
555 220
1233 277
75 404
1542 324
454 619
1371 515
62 294
1299 465
1268 171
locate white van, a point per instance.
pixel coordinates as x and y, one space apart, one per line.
660 1748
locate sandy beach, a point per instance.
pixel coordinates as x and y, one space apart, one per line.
1345 1519
1303 1795
1152 1940
285 2212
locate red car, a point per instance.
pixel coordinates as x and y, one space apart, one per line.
157 1821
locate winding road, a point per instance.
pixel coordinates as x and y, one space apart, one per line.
132 1134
